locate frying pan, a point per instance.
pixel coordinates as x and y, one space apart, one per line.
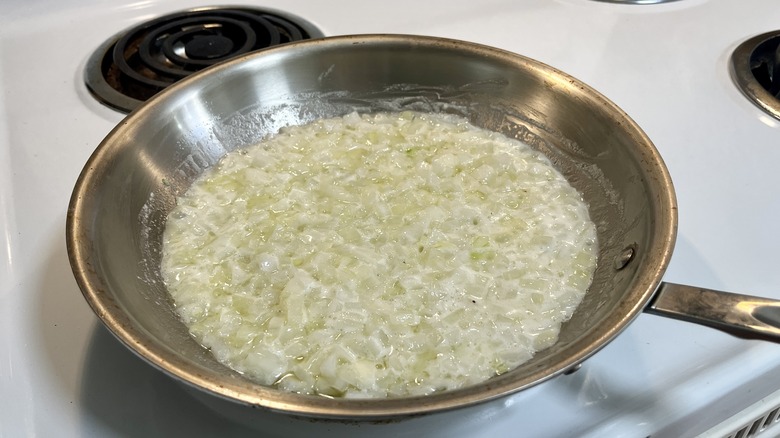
126 189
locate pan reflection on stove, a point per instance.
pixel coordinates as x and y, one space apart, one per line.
124 396
121 394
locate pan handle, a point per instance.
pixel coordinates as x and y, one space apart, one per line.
740 315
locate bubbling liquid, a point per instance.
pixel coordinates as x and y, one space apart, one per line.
379 255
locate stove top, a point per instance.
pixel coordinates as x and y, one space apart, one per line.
667 65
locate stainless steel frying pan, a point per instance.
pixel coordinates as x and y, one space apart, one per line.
120 202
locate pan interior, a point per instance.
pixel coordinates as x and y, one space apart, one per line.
125 192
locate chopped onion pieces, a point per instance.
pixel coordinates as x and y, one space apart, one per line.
379 256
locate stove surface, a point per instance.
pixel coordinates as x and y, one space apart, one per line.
666 65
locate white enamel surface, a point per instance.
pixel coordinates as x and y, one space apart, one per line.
62 375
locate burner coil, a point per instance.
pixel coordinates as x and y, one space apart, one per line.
140 62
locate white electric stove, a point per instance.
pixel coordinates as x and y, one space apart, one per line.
666 65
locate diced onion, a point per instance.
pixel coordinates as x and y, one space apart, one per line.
379 255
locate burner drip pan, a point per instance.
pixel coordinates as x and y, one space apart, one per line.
755 67
136 64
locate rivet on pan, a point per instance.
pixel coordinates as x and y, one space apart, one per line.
573 369
625 257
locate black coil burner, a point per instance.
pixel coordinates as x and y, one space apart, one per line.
755 67
138 63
